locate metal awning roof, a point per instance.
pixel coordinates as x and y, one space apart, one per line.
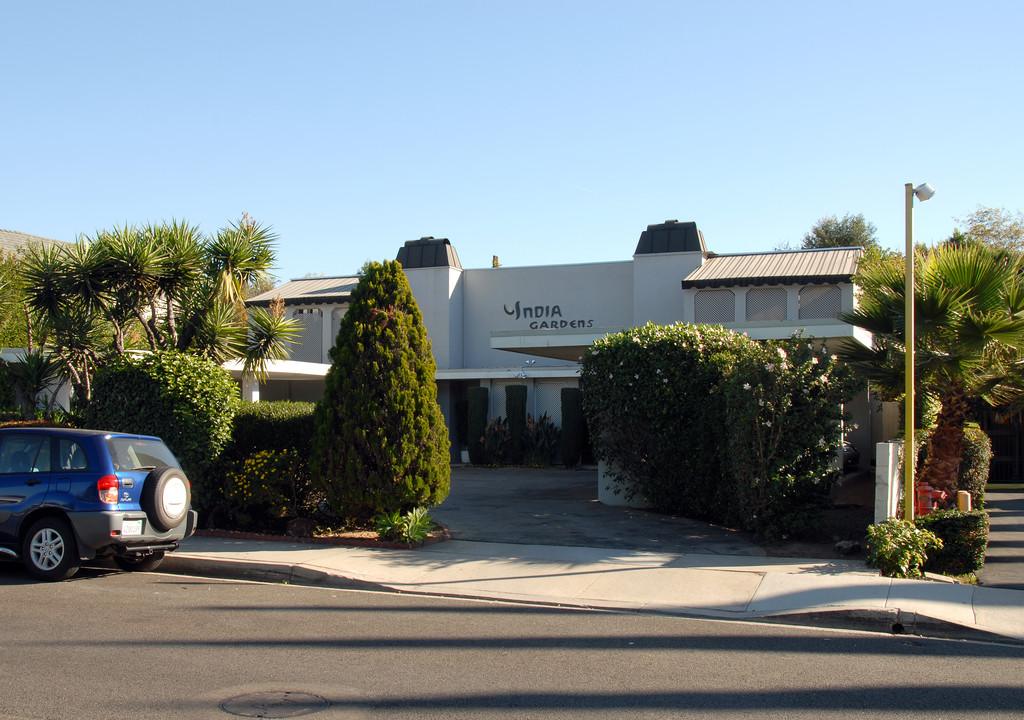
309 291
830 265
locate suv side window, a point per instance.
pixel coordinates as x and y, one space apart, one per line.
72 455
25 454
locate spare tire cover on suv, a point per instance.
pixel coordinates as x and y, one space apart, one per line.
166 497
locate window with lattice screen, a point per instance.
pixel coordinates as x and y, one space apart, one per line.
821 302
310 345
714 306
497 397
547 398
766 304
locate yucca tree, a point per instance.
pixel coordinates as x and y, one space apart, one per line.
269 337
160 287
182 245
30 376
134 264
969 338
240 256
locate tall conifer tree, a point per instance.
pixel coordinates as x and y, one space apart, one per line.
381 444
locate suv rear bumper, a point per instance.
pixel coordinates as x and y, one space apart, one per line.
99 533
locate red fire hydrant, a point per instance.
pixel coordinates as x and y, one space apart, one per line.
927 499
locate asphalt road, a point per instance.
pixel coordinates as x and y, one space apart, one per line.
114 645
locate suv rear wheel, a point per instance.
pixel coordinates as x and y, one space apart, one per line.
50 551
165 497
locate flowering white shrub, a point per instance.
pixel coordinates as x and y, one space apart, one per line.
713 425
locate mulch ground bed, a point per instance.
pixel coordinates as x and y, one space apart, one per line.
848 518
355 538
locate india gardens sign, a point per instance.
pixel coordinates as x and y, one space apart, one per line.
544 317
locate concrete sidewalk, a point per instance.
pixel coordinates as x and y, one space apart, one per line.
1004 558
832 593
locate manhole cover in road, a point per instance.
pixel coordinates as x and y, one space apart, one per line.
275 704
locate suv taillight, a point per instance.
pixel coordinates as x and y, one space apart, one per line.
108 487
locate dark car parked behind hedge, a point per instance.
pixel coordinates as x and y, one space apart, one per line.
72 495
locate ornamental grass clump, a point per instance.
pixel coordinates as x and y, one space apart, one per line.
541 439
411 528
496 441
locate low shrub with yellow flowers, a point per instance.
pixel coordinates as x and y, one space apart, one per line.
269 483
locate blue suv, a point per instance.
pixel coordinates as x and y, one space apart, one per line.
72 495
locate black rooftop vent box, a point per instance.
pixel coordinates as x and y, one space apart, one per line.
428 252
669 237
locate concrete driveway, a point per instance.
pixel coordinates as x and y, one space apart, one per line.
560 507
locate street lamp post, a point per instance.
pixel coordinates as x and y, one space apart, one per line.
923 192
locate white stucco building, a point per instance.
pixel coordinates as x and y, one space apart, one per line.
529 325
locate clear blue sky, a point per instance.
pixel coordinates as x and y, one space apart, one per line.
541 132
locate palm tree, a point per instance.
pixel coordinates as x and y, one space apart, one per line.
969 337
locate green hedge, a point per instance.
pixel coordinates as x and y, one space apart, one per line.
265 468
572 426
263 490
186 400
7 401
260 426
713 425
964 538
478 399
462 424
974 467
515 415
652 399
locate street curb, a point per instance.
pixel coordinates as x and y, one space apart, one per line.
888 622
264 572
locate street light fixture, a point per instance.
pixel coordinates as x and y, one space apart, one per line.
923 192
